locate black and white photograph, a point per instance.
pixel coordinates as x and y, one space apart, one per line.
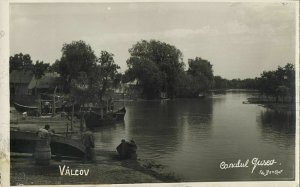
153 92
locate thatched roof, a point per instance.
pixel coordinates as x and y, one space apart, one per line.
46 81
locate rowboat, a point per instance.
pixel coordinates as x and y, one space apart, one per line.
24 108
34 109
94 119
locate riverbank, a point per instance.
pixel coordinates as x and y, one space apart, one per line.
108 169
271 104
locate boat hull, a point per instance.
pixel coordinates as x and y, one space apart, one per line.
24 142
93 119
23 108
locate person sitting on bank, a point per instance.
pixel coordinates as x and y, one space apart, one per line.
127 150
133 148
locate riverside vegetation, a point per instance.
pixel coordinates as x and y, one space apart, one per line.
157 67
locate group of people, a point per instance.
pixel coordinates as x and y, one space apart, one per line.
127 150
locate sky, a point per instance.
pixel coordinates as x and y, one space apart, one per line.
241 40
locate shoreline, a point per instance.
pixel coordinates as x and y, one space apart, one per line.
108 169
271 104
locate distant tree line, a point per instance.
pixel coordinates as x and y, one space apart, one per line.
277 84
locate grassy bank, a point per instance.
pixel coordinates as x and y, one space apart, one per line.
271 104
108 169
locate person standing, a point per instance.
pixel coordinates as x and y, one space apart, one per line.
89 143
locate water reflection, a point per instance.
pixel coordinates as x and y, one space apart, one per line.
107 136
277 126
164 126
192 136
279 121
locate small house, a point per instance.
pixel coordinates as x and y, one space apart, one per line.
46 84
19 81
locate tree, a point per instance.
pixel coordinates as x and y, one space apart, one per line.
219 83
289 80
104 75
39 69
202 73
162 59
278 83
76 57
268 84
20 62
187 86
80 89
148 74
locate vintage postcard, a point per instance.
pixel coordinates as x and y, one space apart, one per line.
149 93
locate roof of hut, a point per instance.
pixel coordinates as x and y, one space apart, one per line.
46 81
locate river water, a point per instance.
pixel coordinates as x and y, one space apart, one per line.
191 137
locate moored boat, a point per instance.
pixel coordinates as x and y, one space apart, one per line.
33 110
93 119
24 108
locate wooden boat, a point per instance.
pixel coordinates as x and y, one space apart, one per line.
34 109
24 108
93 119
24 142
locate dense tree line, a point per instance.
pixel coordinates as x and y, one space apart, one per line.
197 79
277 84
23 62
222 83
82 73
159 67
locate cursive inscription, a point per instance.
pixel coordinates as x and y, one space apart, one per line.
238 164
255 162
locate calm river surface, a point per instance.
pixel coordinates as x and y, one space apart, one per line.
191 137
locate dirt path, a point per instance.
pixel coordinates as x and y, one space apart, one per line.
108 169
